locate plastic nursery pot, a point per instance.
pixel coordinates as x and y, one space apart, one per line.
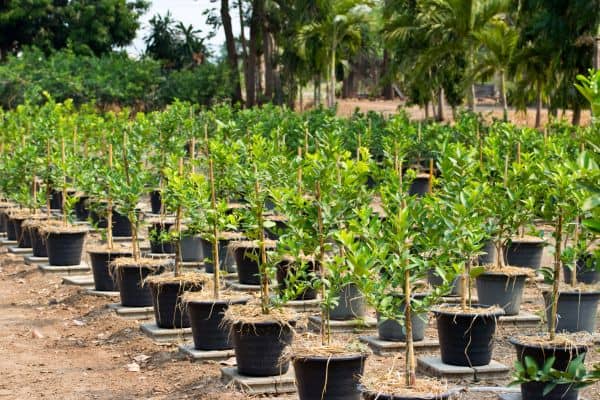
100 262
129 281
497 289
56 200
288 267
23 238
64 248
333 377
98 220
371 395
488 255
435 280
535 390
393 331
540 352
247 262
259 347
155 201
156 246
82 213
587 270
206 320
169 310
576 310
419 186
191 249
3 221
226 259
466 339
38 242
121 227
525 253
351 304
11 233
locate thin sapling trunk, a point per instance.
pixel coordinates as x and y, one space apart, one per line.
556 281
177 269
215 247
64 185
132 217
48 179
410 374
109 206
430 175
264 279
299 176
325 328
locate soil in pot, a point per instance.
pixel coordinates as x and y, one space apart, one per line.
290 267
538 348
535 390
505 290
525 252
260 340
191 248
351 304
576 310
587 271
100 259
246 255
206 320
466 338
130 275
167 291
383 384
155 201
329 377
64 244
420 185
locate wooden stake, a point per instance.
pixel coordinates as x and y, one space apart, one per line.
430 175
193 155
213 199
299 178
132 217
325 328
109 207
177 269
48 183
519 152
264 279
64 188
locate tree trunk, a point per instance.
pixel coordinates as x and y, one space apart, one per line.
473 99
232 57
503 96
597 52
331 96
440 115
243 41
538 106
255 33
387 91
301 98
269 70
576 120
426 110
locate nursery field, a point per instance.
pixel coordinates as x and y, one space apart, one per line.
239 253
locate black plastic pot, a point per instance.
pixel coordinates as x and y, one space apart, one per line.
525 254
535 390
206 319
98 220
38 242
435 280
11 233
334 377
501 290
155 201
393 331
103 278
488 255
121 227
587 271
351 304
64 248
226 260
191 249
3 218
259 347
129 281
82 212
576 310
540 353
162 247
56 199
466 339
286 268
419 186
169 310
23 238
246 260
369 395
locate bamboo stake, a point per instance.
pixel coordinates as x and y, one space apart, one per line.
555 284
519 152
64 188
177 269
264 279
575 243
109 207
325 328
213 199
411 376
48 188
206 144
430 175
299 177
193 155
132 217
305 139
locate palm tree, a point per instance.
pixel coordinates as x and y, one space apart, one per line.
335 35
499 41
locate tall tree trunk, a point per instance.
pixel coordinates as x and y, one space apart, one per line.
440 115
269 70
503 95
576 120
387 91
331 95
473 99
426 110
301 98
597 51
243 41
255 33
538 105
232 57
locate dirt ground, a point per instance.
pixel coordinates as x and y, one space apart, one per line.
58 343
489 110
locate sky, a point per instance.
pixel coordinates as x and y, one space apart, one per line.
187 11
